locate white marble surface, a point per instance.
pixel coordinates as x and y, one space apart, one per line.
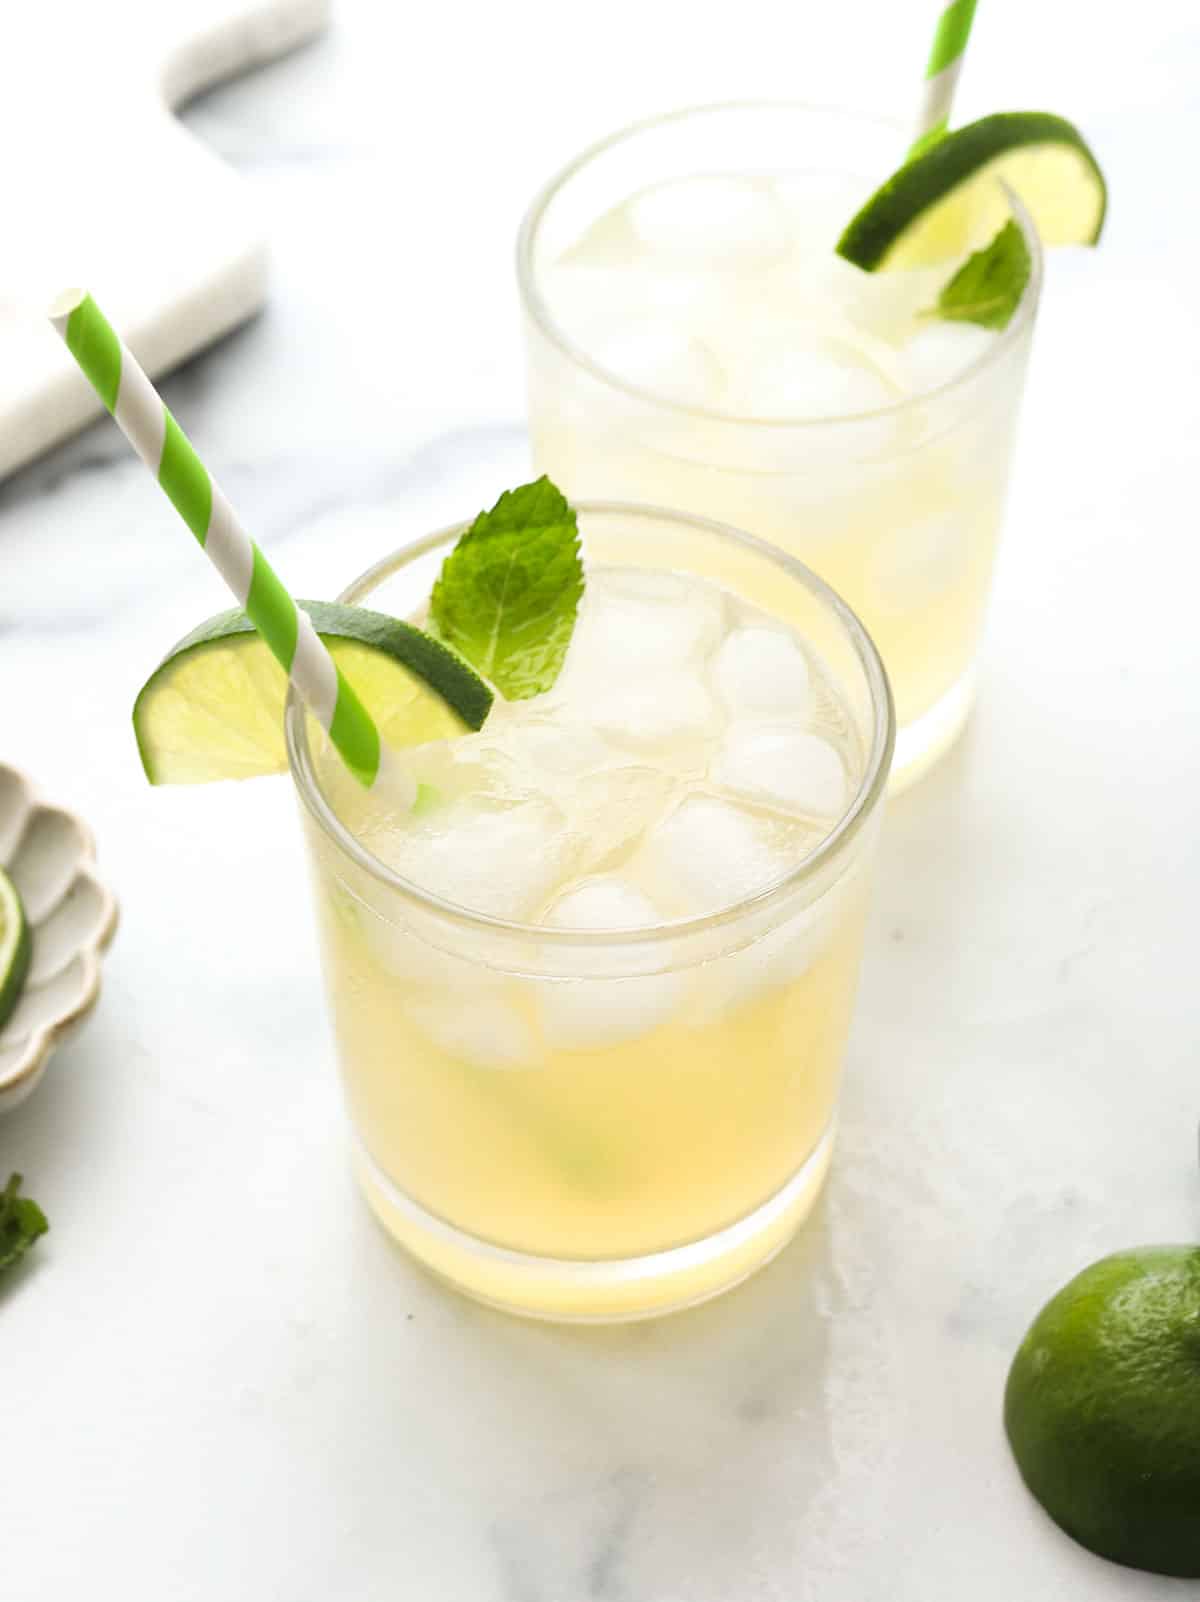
220 1381
100 153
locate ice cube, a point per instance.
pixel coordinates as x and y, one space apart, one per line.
504 861
404 955
727 222
591 301
894 305
483 1030
880 310
940 351
654 586
809 374
792 769
818 206
652 355
475 767
611 809
607 793
590 1014
629 626
848 296
779 957
605 243
650 713
709 854
763 673
603 904
916 563
544 747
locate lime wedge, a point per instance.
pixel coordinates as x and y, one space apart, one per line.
939 205
213 708
15 946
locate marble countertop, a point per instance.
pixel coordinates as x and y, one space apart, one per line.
220 1380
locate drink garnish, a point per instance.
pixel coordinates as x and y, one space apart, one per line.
213 708
504 606
507 596
987 288
937 206
21 1223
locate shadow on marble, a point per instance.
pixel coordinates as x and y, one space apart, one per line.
737 1421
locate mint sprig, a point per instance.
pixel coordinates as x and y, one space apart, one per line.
508 593
987 288
21 1222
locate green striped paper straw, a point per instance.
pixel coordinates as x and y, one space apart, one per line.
941 74
143 418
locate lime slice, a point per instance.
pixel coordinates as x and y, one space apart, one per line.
1102 1408
15 946
213 708
939 206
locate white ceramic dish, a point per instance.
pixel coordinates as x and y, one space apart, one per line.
48 853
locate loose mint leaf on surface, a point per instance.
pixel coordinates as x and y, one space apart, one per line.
21 1222
987 288
507 595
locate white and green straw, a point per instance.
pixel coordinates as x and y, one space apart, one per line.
143 418
941 74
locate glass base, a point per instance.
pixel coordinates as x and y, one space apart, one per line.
919 745
596 1292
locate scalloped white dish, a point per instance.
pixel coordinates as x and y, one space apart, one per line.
48 853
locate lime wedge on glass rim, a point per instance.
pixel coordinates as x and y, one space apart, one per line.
946 201
15 946
213 708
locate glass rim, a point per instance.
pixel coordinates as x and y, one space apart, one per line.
539 311
861 806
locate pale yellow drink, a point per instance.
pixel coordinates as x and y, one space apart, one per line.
592 1061
589 1153
695 342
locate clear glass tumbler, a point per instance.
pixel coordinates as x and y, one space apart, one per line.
652 1170
898 508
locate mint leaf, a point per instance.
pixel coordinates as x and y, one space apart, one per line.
21 1222
507 595
987 288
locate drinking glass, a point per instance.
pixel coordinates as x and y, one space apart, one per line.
671 1158
898 508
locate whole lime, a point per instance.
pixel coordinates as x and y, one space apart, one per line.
1102 1408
